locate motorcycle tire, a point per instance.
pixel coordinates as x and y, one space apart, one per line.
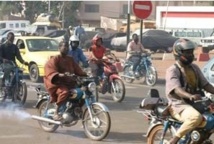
20 93
96 123
48 127
115 97
152 137
126 71
96 93
151 76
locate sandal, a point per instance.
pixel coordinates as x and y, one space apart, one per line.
57 117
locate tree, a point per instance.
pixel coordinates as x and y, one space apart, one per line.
70 8
6 8
34 8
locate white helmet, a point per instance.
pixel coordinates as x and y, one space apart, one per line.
74 38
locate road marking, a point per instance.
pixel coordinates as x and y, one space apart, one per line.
15 136
142 7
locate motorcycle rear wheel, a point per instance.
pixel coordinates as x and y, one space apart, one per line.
119 94
152 138
151 76
97 123
126 72
48 127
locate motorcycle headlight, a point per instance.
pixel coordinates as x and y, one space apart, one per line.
92 86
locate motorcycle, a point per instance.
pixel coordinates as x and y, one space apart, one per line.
144 69
13 87
109 80
95 116
163 127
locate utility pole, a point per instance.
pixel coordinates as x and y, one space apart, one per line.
63 15
49 6
166 14
128 24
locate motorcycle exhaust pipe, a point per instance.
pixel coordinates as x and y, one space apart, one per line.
127 76
45 120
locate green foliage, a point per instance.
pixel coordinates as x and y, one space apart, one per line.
34 8
70 12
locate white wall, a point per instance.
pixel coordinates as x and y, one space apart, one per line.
184 22
187 23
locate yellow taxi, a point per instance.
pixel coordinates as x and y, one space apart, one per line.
36 50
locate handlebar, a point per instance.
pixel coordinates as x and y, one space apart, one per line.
80 78
204 99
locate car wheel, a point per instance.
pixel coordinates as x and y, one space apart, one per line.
34 73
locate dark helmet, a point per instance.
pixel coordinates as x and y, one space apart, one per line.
182 45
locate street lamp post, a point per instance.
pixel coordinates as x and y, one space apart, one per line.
128 24
49 6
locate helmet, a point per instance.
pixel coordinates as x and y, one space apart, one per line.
96 38
179 48
74 38
74 42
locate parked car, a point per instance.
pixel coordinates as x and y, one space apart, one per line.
55 34
36 50
107 38
208 71
208 42
4 32
119 43
154 40
191 34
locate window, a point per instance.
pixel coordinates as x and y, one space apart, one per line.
20 44
92 8
11 25
2 25
23 25
17 25
42 44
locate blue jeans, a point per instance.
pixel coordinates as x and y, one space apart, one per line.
135 60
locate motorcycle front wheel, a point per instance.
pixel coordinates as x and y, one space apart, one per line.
47 113
20 93
99 126
156 134
119 90
126 72
151 76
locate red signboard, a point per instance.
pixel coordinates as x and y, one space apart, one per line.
142 9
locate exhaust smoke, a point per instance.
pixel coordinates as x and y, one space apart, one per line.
13 112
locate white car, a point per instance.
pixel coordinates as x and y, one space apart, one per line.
191 34
208 72
208 42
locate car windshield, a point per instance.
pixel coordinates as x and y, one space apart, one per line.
188 34
42 45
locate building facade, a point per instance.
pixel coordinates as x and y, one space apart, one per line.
91 11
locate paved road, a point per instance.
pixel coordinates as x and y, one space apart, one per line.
127 125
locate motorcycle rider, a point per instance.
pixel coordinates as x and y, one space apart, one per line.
184 82
77 52
9 52
97 52
134 49
56 81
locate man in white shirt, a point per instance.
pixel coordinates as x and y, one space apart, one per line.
134 50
